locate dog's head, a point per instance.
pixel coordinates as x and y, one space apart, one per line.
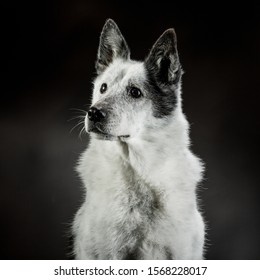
130 96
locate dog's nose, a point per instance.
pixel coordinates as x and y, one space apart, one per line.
96 115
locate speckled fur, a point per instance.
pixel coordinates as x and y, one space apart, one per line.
140 200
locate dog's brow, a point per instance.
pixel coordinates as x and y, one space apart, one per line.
120 75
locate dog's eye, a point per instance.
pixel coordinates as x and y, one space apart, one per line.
103 88
135 92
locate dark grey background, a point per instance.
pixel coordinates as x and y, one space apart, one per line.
47 61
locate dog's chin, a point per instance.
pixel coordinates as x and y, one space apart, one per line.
100 135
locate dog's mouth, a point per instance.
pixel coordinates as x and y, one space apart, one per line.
99 134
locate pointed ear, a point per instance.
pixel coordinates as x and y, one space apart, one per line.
111 45
163 60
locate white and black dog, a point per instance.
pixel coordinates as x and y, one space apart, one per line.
139 173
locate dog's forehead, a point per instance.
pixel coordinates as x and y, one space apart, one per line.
121 71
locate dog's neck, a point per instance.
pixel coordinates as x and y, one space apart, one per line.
148 152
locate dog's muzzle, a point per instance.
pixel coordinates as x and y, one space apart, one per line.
97 118
97 121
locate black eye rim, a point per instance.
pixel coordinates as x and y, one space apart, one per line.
135 92
103 88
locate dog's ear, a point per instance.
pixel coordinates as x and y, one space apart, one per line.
111 45
163 60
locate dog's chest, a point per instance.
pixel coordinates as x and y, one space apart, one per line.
127 211
130 198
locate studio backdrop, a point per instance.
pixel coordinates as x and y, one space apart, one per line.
48 55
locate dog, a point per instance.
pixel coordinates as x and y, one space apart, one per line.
138 171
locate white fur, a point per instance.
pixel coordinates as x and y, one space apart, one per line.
126 176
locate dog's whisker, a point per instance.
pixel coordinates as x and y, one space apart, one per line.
78 110
76 117
82 131
82 122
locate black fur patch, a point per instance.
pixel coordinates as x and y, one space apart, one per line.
168 253
132 255
163 59
163 100
164 73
